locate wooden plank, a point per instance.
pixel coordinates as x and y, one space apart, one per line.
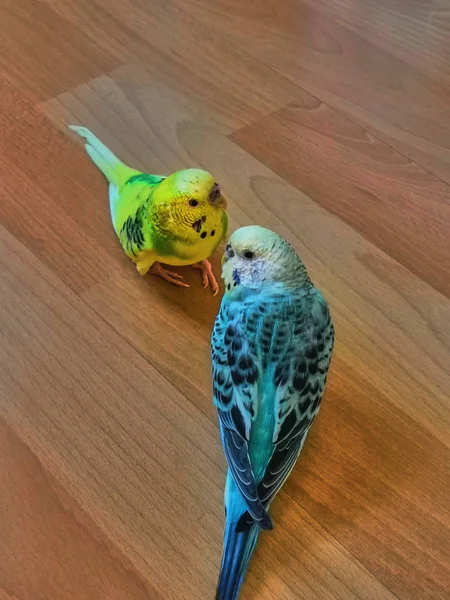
393 202
385 65
140 116
45 202
144 118
168 42
111 451
42 54
392 348
417 33
374 467
114 433
392 318
50 548
382 490
100 440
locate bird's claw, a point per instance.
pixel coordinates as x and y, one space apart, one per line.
207 276
175 275
170 276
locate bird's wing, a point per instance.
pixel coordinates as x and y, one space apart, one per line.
133 219
145 178
300 376
133 234
235 377
298 360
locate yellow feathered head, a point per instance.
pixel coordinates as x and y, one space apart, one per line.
189 199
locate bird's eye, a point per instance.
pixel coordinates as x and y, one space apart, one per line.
248 254
193 202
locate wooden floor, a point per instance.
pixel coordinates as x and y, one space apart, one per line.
326 120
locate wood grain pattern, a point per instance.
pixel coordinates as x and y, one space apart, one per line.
50 379
165 39
360 58
42 53
326 121
353 275
43 202
141 460
49 535
399 206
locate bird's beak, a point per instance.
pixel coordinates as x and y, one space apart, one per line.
221 203
224 258
216 198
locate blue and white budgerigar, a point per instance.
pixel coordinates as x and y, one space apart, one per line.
271 348
176 220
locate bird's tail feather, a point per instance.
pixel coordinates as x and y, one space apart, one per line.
115 171
237 552
238 545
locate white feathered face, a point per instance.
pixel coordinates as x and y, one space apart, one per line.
255 255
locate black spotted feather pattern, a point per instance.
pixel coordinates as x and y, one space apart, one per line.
271 353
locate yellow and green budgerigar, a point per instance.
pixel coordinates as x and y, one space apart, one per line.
175 220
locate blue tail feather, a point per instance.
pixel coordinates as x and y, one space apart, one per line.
238 545
238 549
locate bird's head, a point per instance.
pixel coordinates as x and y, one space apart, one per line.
255 256
193 201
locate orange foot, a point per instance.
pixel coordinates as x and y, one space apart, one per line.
170 276
207 275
